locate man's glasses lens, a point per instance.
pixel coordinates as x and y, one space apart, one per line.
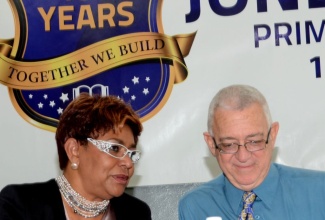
251 146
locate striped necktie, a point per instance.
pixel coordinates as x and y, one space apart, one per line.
247 212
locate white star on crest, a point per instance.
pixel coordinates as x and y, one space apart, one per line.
147 78
145 91
126 89
30 96
45 96
60 110
52 104
64 97
133 97
40 105
135 80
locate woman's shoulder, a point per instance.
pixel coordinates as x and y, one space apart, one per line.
128 199
29 187
127 206
28 191
40 200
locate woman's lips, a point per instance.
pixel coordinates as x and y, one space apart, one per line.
120 178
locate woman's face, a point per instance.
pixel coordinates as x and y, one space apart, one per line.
101 175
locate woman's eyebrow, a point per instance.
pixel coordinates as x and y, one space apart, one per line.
120 141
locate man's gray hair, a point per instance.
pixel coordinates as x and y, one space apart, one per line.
237 97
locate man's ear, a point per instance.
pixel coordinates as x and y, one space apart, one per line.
71 147
274 131
208 139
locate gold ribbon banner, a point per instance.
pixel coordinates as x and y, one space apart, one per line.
94 59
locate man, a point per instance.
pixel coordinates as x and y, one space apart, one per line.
241 135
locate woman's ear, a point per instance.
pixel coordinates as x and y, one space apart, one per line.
71 147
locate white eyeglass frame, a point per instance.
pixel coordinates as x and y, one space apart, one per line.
106 146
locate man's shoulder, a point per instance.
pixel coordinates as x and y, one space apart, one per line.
208 189
290 172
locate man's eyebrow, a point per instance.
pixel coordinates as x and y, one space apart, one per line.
248 136
228 138
256 134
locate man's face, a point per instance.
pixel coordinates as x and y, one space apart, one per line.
245 170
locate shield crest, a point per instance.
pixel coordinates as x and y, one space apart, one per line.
107 47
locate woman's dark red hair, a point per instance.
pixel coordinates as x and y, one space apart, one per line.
90 116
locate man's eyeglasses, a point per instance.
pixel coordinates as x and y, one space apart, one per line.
115 150
251 146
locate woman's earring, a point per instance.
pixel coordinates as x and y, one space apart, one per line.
74 166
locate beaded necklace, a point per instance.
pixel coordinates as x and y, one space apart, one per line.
80 205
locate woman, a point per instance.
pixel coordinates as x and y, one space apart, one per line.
96 140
